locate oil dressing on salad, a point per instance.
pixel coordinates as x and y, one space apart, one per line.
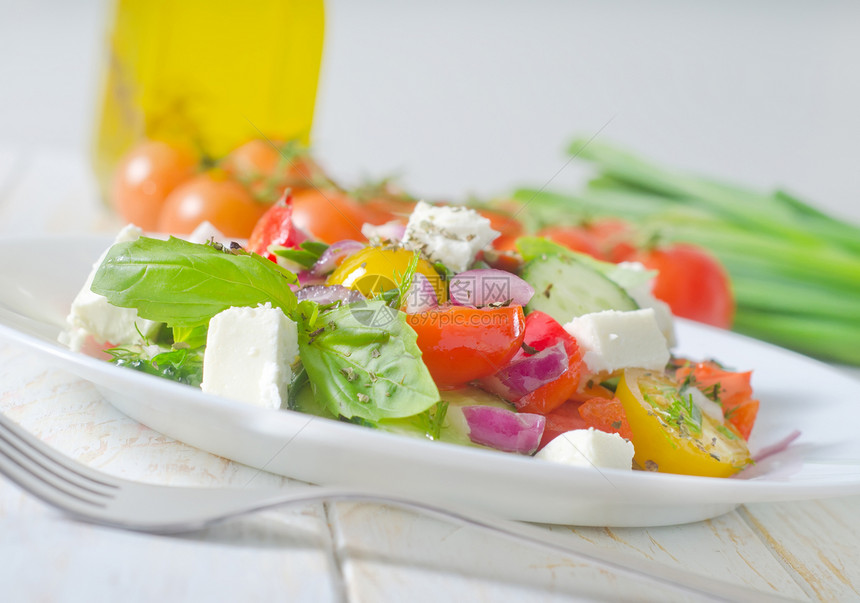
423 329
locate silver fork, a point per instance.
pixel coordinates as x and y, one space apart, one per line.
96 497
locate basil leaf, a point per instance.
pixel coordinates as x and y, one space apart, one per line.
192 337
306 256
185 284
363 363
182 365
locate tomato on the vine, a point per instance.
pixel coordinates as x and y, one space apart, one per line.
267 169
226 204
460 344
692 282
145 177
329 215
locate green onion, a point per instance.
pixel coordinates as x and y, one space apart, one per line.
795 270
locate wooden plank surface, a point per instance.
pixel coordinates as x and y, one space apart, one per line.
44 556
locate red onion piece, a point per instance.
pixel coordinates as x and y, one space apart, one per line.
421 296
323 294
334 255
306 278
504 429
527 373
486 286
776 447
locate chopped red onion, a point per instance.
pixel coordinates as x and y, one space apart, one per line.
527 373
334 255
504 429
776 447
328 294
421 295
306 278
486 286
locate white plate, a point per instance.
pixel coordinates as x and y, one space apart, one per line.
40 276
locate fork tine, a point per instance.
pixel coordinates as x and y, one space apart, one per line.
46 474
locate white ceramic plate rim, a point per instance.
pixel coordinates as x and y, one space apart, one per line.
821 463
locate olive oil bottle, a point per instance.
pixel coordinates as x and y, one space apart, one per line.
211 74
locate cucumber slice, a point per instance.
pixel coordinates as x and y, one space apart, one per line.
566 287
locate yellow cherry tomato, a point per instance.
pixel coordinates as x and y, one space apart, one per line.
376 269
670 435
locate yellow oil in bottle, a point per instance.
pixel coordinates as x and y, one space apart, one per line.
211 74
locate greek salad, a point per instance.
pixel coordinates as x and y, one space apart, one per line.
424 329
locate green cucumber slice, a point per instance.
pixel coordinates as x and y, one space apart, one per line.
566 287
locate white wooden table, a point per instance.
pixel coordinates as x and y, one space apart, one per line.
333 552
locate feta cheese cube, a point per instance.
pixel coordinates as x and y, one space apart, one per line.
93 316
249 355
449 234
640 290
589 448
613 340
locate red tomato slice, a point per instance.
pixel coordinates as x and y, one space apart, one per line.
733 389
606 414
460 344
563 419
275 227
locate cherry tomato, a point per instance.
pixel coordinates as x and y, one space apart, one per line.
329 215
144 178
375 269
669 438
692 282
224 203
460 344
275 227
267 169
733 392
543 331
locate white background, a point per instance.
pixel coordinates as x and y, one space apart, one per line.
463 97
